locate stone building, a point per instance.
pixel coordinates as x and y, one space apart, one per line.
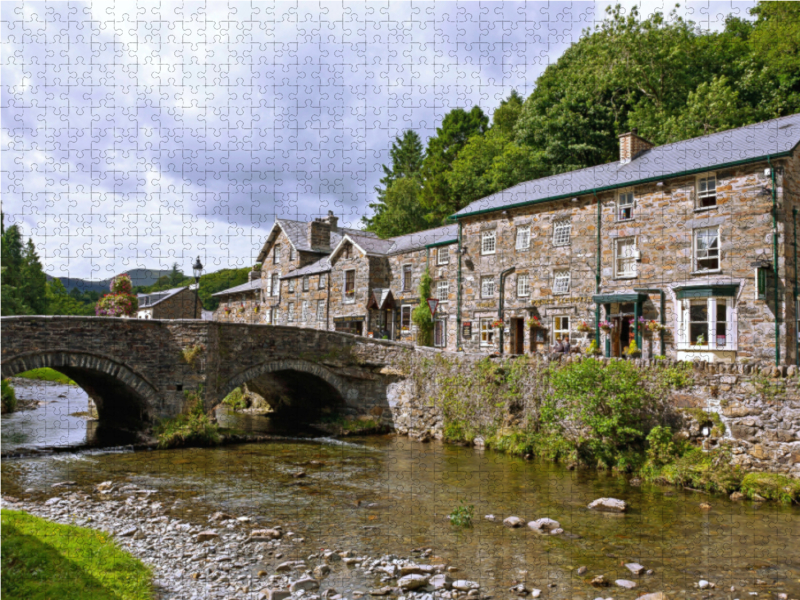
688 249
176 303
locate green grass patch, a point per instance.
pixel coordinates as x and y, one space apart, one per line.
771 486
46 374
191 429
43 560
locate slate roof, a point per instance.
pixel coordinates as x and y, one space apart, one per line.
404 243
323 265
718 150
239 289
297 232
153 298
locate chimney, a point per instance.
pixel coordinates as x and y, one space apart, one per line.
631 146
332 221
254 274
319 233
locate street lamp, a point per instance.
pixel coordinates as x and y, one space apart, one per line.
197 267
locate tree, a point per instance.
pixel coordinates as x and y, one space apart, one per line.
23 279
176 276
421 315
33 281
59 302
712 107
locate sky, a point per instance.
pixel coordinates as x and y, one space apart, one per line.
138 135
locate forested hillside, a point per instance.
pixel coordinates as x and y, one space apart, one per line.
660 74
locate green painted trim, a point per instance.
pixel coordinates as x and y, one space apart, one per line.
622 185
706 291
616 298
445 243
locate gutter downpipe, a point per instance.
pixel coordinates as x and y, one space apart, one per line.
597 273
663 315
458 292
797 341
775 262
501 305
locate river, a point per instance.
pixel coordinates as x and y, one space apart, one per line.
388 494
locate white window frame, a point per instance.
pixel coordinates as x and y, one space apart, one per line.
697 252
683 333
275 287
443 255
407 278
626 201
487 286
306 283
291 286
276 254
562 232
291 253
320 310
488 242
558 327
560 276
321 282
523 237
405 309
703 193
634 272
443 290
442 342
290 312
487 333
304 311
523 285
352 297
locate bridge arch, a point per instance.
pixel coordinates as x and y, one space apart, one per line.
276 379
124 399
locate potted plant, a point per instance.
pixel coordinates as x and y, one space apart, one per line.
227 310
534 323
700 341
498 324
655 326
584 327
594 349
607 326
633 350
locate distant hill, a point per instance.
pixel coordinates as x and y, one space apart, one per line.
101 286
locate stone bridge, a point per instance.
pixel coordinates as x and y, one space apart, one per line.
137 371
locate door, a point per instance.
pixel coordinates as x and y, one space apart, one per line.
616 345
439 339
518 330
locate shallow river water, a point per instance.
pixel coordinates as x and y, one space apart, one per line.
388 494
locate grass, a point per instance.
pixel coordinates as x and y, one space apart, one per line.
236 400
46 374
9 397
43 560
192 429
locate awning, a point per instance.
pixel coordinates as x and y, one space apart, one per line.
707 291
619 298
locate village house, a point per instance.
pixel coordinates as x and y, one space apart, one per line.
176 303
688 249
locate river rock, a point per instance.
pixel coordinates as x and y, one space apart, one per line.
490 518
409 570
63 484
331 556
305 584
626 583
609 505
736 496
441 582
464 585
536 593
653 596
384 591
582 570
519 589
321 571
127 531
635 568
264 535
703 584
512 522
206 536
544 525
412 582
105 486
599 581
270 594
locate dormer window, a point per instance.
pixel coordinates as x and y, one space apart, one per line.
706 192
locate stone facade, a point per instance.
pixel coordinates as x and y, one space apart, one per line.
182 304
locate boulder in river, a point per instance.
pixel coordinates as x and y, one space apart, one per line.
384 591
264 535
412 582
206 536
305 584
626 583
512 522
582 570
635 568
270 594
653 596
599 581
464 585
609 505
544 525
321 571
441 582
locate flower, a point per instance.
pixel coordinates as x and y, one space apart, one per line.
498 324
533 322
606 325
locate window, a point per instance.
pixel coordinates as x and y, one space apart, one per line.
272 316
487 333
442 290
523 286
406 278
523 238
625 207
707 323
443 255
276 284
625 257
706 192
320 310
276 255
346 251
305 283
350 286
322 281
560 328
487 287
488 242
405 318
439 337
291 253
561 281
304 311
290 313
291 286
561 232
706 249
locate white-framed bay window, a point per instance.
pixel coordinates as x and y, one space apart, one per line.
487 333
706 323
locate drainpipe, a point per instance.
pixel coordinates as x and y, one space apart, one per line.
796 344
458 291
775 263
502 298
663 315
597 273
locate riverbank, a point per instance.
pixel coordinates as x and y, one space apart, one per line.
46 374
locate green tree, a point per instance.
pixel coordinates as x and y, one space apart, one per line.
33 281
776 39
23 279
421 315
59 302
176 276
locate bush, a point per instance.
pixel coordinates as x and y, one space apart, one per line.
235 400
192 429
660 446
771 486
462 515
9 398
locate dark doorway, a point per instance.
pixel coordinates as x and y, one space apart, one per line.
517 336
621 337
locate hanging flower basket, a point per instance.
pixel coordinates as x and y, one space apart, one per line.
534 322
227 310
498 324
606 326
655 327
584 327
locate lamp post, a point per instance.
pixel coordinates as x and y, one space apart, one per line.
197 267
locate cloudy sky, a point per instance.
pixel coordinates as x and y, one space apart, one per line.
138 135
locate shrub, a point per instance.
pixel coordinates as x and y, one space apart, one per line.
660 446
421 315
771 486
462 515
235 399
192 429
191 354
678 376
9 398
